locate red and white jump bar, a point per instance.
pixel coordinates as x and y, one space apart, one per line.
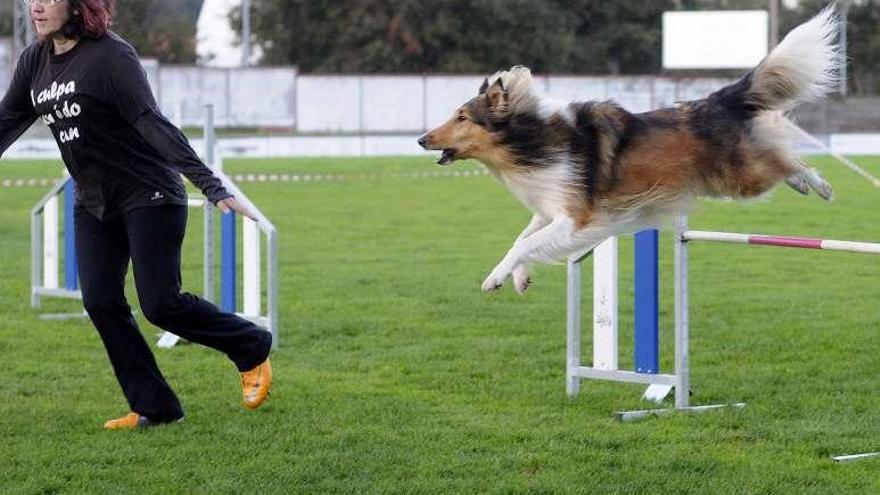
774 240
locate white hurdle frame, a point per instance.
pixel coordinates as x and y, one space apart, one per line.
605 329
605 319
45 248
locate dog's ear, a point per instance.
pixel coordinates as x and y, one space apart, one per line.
484 86
496 96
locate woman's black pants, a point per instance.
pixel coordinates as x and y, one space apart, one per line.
151 238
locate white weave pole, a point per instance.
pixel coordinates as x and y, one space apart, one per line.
50 243
605 289
251 265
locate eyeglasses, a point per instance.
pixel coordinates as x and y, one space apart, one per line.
28 3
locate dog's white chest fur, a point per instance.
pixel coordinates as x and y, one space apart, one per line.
542 190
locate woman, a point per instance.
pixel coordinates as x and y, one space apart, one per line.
87 85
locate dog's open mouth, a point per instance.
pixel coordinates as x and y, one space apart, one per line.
447 157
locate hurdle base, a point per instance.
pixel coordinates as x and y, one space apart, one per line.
63 316
255 319
630 416
843 459
167 340
622 376
657 392
52 292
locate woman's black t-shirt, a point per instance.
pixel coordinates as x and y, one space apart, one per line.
120 150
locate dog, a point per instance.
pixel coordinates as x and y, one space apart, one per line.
592 170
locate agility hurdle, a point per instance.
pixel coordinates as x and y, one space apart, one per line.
605 319
252 307
46 242
684 236
47 237
646 342
680 378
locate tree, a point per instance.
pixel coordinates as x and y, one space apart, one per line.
6 18
162 29
864 47
617 37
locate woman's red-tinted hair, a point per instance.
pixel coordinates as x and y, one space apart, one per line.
93 18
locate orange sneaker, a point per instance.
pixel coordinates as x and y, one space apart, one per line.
130 421
255 385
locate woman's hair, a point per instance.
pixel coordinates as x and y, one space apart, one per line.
89 18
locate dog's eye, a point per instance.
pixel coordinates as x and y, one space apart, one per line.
461 118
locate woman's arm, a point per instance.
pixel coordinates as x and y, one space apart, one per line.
16 109
165 136
167 139
129 92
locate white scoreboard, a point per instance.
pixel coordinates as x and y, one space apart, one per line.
720 39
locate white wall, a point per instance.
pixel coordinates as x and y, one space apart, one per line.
251 97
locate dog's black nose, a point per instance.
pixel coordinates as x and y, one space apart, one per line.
423 141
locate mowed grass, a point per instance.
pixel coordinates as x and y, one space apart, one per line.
397 375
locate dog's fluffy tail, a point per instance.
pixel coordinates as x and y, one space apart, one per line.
803 67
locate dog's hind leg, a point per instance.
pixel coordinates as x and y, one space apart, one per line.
798 182
818 184
807 178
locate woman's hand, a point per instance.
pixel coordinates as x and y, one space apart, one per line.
231 204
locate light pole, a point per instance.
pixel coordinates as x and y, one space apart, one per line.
245 33
22 33
774 23
844 12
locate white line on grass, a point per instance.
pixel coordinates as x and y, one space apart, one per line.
309 177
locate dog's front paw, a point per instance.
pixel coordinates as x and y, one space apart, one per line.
495 280
491 284
521 279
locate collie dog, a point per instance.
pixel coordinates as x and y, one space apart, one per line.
591 170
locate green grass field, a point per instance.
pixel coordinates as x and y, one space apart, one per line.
397 375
